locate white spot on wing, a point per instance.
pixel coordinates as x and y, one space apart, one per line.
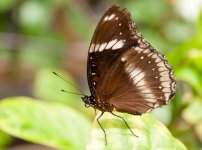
106 18
157 60
154 56
141 83
123 59
111 17
167 95
134 73
166 90
151 105
156 105
110 44
165 78
149 108
129 68
160 64
92 47
150 54
118 45
138 77
162 69
139 42
165 84
146 51
102 46
152 100
173 86
148 95
164 73
97 47
138 49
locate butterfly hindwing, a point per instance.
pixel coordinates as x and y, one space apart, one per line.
145 81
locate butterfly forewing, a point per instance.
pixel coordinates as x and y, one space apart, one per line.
113 31
112 36
124 71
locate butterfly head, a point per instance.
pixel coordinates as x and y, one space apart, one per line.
88 100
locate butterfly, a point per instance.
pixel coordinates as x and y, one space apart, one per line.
125 73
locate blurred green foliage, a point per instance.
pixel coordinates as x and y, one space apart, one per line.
5 139
38 36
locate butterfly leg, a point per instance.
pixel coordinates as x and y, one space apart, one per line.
125 123
95 112
102 127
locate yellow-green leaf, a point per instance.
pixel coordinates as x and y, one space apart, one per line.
152 134
50 124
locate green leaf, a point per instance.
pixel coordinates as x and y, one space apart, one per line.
152 134
5 139
49 124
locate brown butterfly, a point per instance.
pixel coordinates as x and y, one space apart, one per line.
125 73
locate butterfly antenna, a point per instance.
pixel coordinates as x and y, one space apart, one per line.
71 92
70 84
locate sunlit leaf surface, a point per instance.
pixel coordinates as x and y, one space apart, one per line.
152 134
49 124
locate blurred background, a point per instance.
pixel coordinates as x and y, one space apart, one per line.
38 37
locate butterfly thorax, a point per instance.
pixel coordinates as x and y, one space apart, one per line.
97 104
